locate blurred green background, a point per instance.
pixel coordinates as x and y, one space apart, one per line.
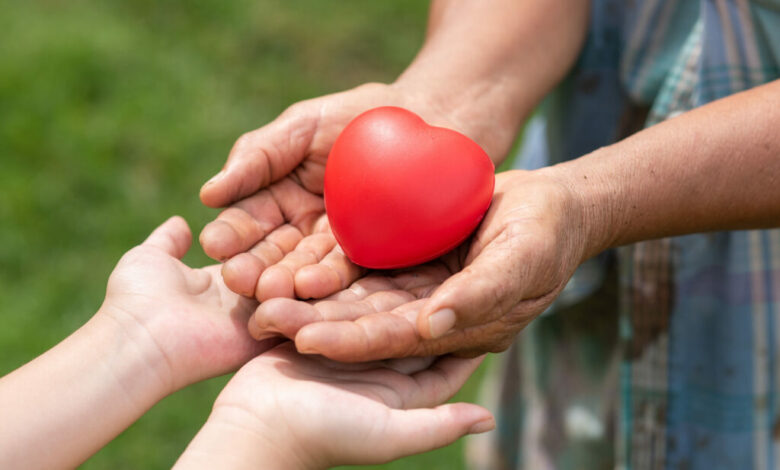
112 114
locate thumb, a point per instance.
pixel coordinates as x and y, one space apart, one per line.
263 156
482 291
173 237
425 429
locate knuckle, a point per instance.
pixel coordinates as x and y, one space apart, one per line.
296 109
244 141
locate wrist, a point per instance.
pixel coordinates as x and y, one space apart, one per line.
593 201
134 357
233 438
485 111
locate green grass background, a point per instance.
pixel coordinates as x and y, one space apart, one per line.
112 114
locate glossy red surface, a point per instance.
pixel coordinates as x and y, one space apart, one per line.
399 192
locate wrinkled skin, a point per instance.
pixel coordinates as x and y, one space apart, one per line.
528 246
278 247
275 235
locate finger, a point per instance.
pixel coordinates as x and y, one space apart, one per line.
173 237
242 271
287 316
421 430
441 381
238 228
380 301
263 156
383 335
434 380
362 288
279 280
408 365
333 273
281 316
241 226
393 334
491 285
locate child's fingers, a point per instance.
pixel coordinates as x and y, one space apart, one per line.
173 237
440 381
420 430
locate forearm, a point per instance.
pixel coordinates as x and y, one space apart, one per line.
63 406
714 168
489 63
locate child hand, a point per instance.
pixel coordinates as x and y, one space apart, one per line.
184 321
162 326
286 410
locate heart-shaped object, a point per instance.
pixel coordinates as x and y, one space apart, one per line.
399 192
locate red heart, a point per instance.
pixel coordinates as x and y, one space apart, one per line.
399 192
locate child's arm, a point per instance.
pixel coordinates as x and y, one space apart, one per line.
287 411
66 404
162 326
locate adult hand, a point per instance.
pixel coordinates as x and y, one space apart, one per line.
185 322
284 410
481 71
473 300
273 178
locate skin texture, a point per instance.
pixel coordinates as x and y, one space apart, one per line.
288 411
512 269
482 69
704 170
714 168
164 325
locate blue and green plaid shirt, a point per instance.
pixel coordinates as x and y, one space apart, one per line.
664 354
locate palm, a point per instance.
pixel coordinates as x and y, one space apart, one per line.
274 181
313 397
196 323
379 316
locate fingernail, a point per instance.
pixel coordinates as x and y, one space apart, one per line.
441 322
215 177
305 350
483 426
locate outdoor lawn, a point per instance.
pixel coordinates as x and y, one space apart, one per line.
113 113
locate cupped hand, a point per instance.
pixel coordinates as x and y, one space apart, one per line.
273 181
186 324
310 412
473 300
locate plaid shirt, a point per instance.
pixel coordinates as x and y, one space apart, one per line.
663 354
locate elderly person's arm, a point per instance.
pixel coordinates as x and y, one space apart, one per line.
484 66
713 168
